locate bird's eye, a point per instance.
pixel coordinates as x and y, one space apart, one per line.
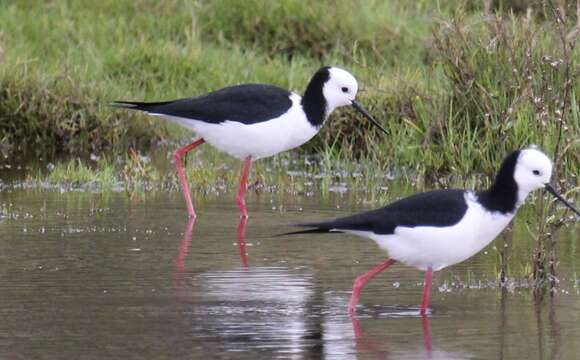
344 89
536 172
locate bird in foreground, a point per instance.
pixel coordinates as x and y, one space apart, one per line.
436 229
254 121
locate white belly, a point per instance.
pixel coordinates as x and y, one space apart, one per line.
439 247
259 140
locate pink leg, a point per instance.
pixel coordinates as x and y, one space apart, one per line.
242 241
427 290
177 155
241 197
361 281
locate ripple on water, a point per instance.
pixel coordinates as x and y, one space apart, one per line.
74 285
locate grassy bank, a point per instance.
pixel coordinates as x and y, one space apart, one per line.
457 85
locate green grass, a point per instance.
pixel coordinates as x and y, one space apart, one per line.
366 31
211 174
456 88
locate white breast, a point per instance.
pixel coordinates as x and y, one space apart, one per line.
259 140
439 247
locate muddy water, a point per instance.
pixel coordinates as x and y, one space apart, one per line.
101 276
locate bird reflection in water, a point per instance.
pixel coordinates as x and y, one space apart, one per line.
180 270
188 234
179 275
242 241
379 348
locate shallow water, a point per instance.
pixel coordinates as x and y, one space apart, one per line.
94 276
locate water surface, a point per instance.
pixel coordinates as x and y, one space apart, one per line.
94 276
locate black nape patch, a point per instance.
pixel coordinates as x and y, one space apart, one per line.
502 196
313 101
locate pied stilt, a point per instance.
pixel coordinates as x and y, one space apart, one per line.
440 228
253 121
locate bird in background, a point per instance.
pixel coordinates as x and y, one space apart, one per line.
436 229
254 121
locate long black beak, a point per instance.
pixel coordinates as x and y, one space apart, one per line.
551 190
361 110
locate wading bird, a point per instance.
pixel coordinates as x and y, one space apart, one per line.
436 229
253 121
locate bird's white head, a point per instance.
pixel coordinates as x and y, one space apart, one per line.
329 88
532 171
340 89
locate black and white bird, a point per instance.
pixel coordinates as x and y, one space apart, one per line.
436 229
254 121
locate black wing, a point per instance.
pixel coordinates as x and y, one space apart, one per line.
435 208
248 104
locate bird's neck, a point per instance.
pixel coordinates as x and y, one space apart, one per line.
314 103
503 196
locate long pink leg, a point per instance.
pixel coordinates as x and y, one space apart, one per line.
361 281
241 197
177 158
427 290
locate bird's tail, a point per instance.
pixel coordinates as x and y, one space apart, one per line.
136 105
317 228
